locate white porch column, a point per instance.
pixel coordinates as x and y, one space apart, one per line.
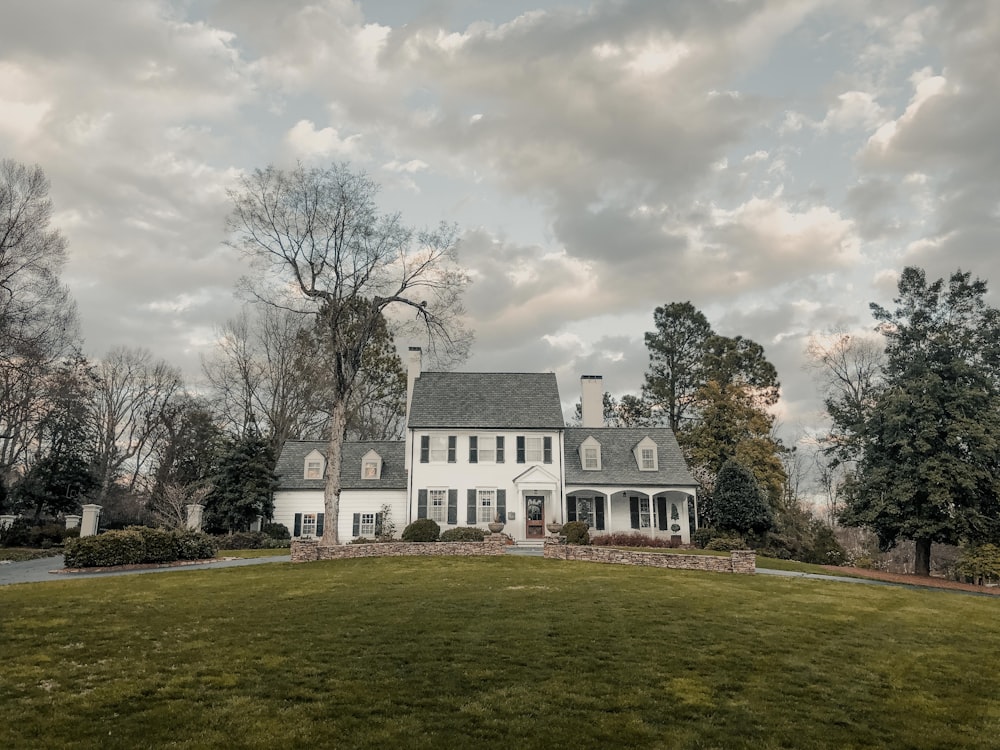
72 521
194 513
91 519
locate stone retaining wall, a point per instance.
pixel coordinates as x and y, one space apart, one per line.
739 561
309 550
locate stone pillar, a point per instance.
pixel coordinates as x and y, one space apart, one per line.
194 511
72 521
91 519
258 524
743 561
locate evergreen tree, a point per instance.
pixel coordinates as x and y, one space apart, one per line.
244 486
738 504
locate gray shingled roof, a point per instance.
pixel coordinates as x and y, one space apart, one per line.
618 464
291 465
498 400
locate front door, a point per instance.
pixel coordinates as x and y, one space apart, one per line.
535 516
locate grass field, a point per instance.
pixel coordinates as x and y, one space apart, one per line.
492 652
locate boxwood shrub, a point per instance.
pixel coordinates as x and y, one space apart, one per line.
576 532
422 530
137 545
463 534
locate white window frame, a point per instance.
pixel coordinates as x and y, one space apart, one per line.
438 513
587 516
486 455
534 455
370 469
645 513
647 459
438 449
486 504
591 458
313 468
308 527
366 528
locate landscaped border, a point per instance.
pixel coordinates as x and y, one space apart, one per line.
310 550
739 561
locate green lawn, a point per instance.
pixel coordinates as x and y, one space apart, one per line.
253 552
492 652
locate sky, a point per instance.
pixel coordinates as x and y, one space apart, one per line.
775 162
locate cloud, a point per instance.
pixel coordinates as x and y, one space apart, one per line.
306 142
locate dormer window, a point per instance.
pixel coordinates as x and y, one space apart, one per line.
313 466
645 455
590 454
371 465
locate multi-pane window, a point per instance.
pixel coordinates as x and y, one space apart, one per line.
487 449
487 505
371 470
533 448
591 459
308 524
644 516
648 459
439 448
314 469
437 505
367 527
585 510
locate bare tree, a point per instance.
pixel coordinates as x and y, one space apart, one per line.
170 506
38 324
131 392
323 247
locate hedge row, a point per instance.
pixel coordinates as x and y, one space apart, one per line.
136 545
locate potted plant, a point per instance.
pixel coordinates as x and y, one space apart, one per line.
496 525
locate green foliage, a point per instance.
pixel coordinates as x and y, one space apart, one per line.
251 540
137 545
980 563
726 543
243 487
23 533
576 532
701 537
738 503
422 530
633 539
676 359
931 442
276 531
463 534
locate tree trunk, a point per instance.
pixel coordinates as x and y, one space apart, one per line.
922 557
334 459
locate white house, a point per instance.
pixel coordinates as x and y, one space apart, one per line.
484 445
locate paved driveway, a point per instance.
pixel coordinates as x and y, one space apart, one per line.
36 571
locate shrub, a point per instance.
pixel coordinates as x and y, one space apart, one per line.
979 564
136 545
726 543
362 540
22 533
244 540
276 531
634 539
701 537
576 532
463 534
422 530
17 534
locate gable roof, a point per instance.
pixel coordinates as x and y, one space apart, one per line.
618 464
487 400
291 464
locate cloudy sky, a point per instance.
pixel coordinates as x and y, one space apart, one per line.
776 162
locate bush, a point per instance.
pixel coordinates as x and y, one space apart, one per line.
137 545
17 534
251 540
276 531
634 539
362 540
463 534
726 543
422 530
576 532
22 533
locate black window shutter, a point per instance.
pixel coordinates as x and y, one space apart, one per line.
470 510
425 449
356 525
473 449
298 524
570 508
520 449
547 450
421 503
499 449
661 512
452 442
452 506
378 525
502 504
599 513
319 524
633 509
